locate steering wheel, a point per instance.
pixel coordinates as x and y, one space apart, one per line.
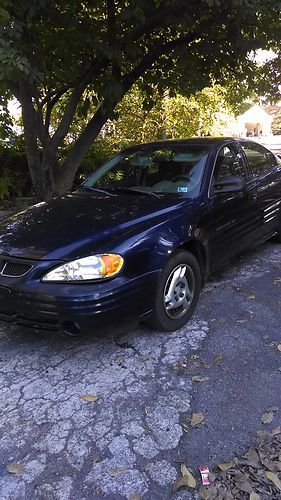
180 178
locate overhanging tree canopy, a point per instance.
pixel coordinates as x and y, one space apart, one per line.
87 55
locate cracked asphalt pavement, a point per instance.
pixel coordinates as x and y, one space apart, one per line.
130 442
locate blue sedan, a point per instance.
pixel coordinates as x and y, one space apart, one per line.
138 239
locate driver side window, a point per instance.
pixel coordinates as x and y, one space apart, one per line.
229 162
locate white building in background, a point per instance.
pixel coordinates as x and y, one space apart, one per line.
254 123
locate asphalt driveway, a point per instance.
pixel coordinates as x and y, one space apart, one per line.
110 417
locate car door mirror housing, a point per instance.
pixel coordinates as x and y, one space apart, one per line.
229 184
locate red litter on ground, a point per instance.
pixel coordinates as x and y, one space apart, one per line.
204 471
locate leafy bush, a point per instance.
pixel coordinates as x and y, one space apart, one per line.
6 183
14 175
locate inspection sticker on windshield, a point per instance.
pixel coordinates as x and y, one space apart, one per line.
182 189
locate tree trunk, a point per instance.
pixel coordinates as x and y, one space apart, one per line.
65 175
31 143
49 178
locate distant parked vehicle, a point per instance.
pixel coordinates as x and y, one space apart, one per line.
140 235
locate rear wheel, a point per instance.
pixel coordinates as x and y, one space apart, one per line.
177 292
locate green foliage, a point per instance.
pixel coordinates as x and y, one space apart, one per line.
72 62
14 178
6 123
207 112
6 183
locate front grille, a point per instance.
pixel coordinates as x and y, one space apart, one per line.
15 269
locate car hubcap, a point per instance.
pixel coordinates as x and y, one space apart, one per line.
179 291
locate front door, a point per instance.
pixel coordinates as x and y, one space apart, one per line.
234 218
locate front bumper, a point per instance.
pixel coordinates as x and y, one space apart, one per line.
74 307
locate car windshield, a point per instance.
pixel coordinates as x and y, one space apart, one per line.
173 169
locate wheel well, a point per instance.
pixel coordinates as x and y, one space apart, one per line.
197 249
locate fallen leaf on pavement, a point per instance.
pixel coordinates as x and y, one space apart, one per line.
227 496
196 419
96 491
16 468
218 357
263 435
244 486
147 430
273 466
226 466
225 369
144 358
251 296
255 476
179 483
254 496
267 417
186 479
96 459
279 347
273 408
116 471
203 493
274 479
92 398
210 493
177 366
135 496
191 481
251 455
198 378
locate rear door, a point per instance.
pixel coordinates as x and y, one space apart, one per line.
234 218
265 171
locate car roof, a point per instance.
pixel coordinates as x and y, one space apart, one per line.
198 141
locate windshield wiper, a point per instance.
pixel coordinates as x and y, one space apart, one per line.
133 190
96 190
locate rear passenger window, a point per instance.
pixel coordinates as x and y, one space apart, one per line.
260 160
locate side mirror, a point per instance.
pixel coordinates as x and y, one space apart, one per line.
229 184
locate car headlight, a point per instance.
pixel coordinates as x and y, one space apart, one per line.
95 267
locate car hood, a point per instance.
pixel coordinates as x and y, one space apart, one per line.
69 226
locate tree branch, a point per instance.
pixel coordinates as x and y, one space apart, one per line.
53 93
95 124
111 20
112 38
50 106
73 101
162 17
151 57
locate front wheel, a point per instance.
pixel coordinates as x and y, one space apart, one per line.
177 292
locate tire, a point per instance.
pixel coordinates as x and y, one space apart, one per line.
181 280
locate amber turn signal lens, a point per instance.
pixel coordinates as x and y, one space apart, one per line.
111 264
